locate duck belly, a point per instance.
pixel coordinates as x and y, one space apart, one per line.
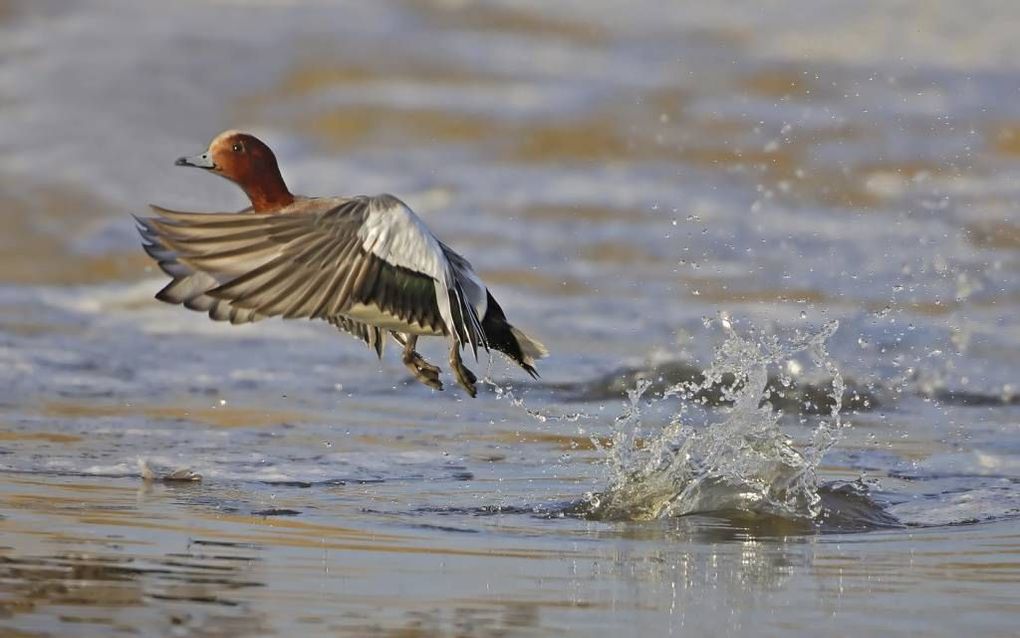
373 315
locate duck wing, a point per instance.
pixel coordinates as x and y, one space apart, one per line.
318 262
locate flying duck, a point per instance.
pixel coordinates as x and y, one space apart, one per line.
366 264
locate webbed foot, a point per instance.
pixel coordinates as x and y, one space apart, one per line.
465 377
422 370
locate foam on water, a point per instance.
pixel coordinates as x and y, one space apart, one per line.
739 460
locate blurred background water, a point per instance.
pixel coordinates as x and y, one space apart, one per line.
655 191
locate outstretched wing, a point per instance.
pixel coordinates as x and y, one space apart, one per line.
189 286
361 252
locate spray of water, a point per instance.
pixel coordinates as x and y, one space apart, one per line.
740 460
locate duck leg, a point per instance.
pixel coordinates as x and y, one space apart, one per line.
422 370
465 377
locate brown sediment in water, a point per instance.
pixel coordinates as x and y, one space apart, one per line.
111 507
7 9
654 125
934 308
509 19
785 82
47 437
1004 138
221 416
350 126
994 234
717 290
33 252
317 68
619 253
559 441
536 280
598 137
582 213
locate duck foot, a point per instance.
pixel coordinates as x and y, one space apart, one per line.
465 377
422 370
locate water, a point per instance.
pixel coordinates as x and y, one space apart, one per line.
773 251
742 462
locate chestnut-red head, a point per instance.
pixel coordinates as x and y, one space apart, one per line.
245 160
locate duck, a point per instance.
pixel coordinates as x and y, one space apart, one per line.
368 265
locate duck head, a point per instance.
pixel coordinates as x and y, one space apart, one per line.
245 160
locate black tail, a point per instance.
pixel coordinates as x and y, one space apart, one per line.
509 340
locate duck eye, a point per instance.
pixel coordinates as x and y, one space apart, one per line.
238 147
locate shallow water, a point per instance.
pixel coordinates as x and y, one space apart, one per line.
685 202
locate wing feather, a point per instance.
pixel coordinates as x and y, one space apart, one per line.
320 261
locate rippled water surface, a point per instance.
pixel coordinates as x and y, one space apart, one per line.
773 248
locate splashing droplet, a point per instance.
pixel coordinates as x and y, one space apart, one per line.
740 460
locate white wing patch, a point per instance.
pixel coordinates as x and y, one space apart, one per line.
396 235
393 233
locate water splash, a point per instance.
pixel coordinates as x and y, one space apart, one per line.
740 461
506 391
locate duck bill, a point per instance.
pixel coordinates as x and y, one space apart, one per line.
203 160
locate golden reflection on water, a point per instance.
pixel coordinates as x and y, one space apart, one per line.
994 234
726 290
136 548
785 83
535 280
582 213
1004 138
508 19
942 559
650 126
48 437
609 252
60 561
170 554
40 225
217 416
551 439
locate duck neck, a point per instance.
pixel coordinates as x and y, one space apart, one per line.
268 194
